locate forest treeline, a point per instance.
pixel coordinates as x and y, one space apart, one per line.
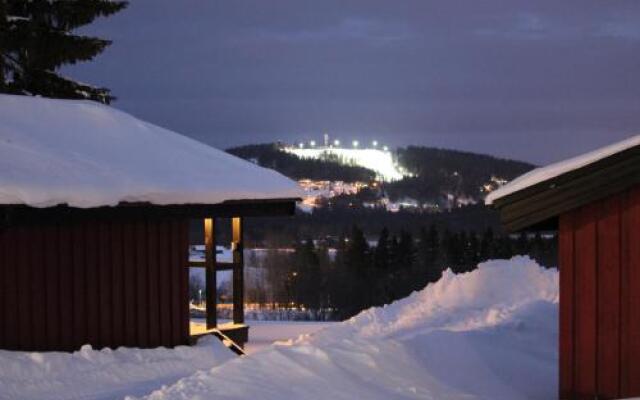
437 173
351 275
272 156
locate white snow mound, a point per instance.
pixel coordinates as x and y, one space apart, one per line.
482 298
103 374
488 334
85 154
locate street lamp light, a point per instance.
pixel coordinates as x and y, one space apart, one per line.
355 143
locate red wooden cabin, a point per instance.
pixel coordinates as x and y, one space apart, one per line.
594 203
95 208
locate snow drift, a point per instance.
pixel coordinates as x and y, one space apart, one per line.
103 374
86 154
487 334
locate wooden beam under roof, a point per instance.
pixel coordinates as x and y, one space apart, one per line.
22 214
541 204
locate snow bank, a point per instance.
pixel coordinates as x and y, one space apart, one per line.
488 334
483 298
85 154
103 374
553 170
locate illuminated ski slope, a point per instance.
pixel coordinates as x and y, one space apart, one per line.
377 160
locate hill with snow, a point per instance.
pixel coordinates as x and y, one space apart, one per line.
420 174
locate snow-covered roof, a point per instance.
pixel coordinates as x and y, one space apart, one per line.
553 170
85 154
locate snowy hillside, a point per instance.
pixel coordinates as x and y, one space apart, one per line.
488 334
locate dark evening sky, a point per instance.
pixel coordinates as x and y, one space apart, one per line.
532 80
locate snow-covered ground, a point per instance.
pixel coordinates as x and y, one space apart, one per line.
103 374
265 333
488 334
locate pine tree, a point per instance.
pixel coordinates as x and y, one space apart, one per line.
474 250
358 262
381 253
522 244
429 254
36 38
382 262
306 275
487 245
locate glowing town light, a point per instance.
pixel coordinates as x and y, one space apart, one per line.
375 143
385 148
336 142
301 145
312 143
355 143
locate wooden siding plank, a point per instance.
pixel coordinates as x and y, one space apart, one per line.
567 281
38 288
52 271
91 269
164 284
184 284
153 299
11 292
80 309
176 266
3 281
25 295
130 283
66 282
142 283
624 290
608 280
585 301
104 283
117 285
631 300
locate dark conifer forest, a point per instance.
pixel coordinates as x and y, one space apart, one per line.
341 277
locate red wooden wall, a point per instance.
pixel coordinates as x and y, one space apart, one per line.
599 257
104 282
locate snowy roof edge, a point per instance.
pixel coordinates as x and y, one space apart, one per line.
560 168
85 155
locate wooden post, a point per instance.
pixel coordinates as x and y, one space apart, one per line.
210 272
237 245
